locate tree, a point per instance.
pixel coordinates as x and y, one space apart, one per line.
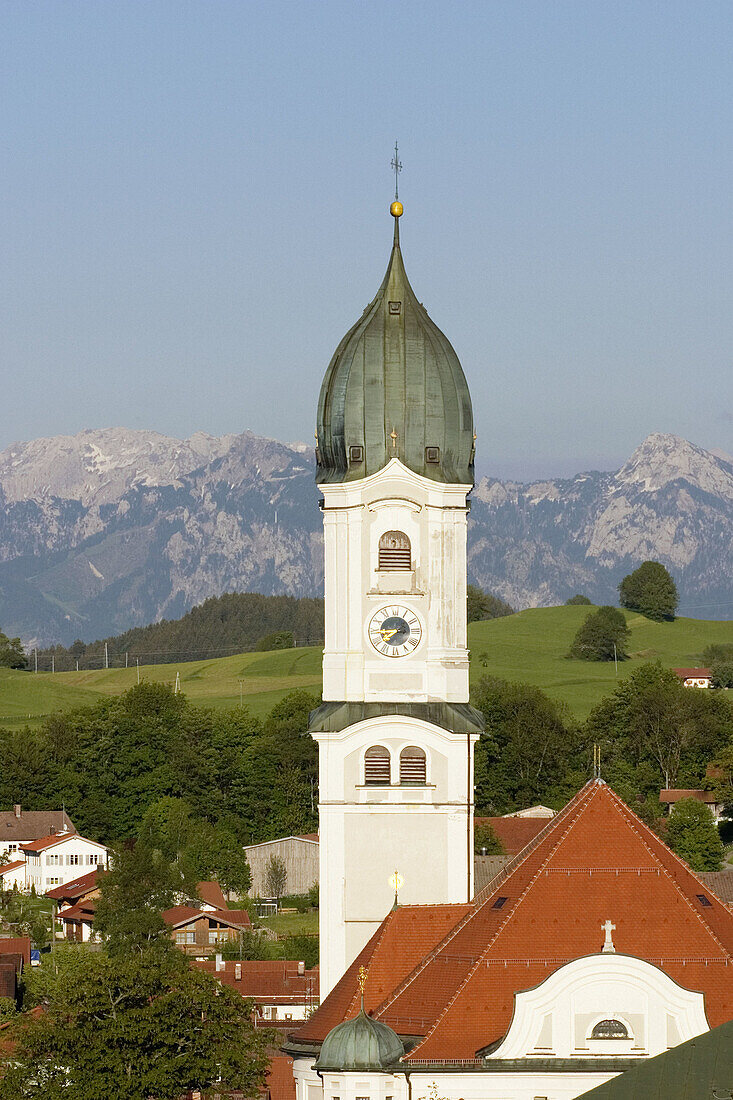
131 1029
603 636
482 605
278 639
722 673
140 884
655 732
485 841
717 651
651 591
693 835
276 877
303 948
527 753
12 654
574 600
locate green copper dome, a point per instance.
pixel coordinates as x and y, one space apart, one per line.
361 1045
395 389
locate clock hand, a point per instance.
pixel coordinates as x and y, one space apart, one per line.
387 634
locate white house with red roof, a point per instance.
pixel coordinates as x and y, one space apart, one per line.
57 859
593 950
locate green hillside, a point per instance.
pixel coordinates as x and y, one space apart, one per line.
529 646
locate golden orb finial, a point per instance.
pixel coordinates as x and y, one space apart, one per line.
396 209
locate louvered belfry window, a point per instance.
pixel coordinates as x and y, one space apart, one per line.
395 551
413 767
377 767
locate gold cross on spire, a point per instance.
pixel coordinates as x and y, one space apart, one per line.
393 437
397 166
362 978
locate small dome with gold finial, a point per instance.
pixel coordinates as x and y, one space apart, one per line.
361 1045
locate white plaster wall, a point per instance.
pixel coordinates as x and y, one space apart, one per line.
355 515
42 871
366 833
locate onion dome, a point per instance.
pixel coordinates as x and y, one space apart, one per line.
395 389
361 1045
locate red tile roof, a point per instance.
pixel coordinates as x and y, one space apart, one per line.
12 866
398 945
55 838
594 861
693 673
280 1082
74 889
270 982
678 795
184 914
17 945
514 833
211 893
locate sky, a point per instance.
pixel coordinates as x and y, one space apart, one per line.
194 208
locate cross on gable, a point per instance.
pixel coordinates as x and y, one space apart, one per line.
608 928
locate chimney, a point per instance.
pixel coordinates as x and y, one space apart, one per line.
301 967
220 962
16 809
237 972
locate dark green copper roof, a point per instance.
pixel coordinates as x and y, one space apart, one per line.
361 1045
395 371
332 717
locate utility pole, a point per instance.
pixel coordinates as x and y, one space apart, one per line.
106 655
77 664
35 654
53 663
125 660
241 693
177 688
138 669
615 658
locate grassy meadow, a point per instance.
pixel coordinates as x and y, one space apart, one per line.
528 646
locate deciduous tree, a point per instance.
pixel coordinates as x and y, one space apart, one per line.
693 835
650 590
603 636
131 1028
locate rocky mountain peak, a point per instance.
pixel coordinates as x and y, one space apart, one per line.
663 458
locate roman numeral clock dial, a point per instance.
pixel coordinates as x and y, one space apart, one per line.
395 631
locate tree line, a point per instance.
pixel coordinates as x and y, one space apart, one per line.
236 622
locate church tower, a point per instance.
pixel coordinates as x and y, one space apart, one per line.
395 448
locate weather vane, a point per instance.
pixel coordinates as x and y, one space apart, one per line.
397 166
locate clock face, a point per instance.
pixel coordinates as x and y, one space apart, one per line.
395 631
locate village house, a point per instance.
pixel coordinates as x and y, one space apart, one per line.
19 827
58 858
694 677
198 931
670 798
283 991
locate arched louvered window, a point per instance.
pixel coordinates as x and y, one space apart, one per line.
377 772
610 1029
395 551
413 767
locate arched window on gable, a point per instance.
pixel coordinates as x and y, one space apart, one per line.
395 551
610 1029
377 767
413 767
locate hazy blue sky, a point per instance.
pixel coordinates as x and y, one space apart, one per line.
194 209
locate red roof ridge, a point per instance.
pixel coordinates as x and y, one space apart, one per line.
382 929
588 792
624 810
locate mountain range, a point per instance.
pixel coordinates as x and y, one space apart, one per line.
114 528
